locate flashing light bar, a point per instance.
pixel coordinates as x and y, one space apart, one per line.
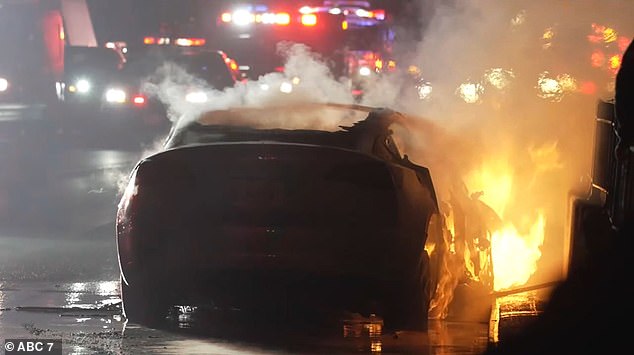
282 18
378 14
375 14
184 42
244 18
190 42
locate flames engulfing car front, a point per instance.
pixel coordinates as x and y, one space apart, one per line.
246 212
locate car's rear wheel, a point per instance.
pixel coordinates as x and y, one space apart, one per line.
142 303
406 305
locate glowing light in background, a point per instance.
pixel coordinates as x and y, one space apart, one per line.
243 17
499 78
4 84
519 19
116 95
602 33
548 36
413 70
470 92
365 71
424 90
549 88
597 58
286 87
567 83
83 85
614 63
609 35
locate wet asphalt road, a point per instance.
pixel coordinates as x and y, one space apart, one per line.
59 280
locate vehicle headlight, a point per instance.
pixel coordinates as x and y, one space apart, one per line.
365 71
116 96
196 97
81 86
286 87
4 84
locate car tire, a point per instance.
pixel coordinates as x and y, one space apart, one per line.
143 304
406 306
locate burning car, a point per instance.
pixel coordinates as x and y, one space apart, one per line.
240 216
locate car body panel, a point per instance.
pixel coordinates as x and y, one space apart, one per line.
294 204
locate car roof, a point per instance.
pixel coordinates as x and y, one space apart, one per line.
263 117
341 122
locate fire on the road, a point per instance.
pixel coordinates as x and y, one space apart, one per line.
516 243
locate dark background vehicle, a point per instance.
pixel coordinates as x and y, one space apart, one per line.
87 75
136 96
232 217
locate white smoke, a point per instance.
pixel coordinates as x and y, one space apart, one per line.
306 79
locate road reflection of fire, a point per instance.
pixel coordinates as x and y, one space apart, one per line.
365 329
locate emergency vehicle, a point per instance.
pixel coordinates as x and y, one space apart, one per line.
354 39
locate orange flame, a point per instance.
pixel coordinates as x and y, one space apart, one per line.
515 248
515 255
